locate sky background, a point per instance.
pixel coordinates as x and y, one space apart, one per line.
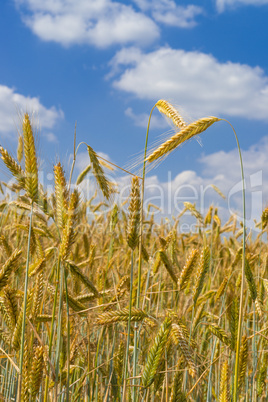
104 64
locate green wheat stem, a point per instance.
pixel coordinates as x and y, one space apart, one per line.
25 305
129 326
52 328
68 336
57 357
140 252
96 363
190 337
240 320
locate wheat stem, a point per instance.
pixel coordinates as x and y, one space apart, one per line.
25 305
239 332
68 335
52 328
140 251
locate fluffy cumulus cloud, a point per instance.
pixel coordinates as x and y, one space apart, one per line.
196 80
223 4
168 12
221 169
99 23
13 105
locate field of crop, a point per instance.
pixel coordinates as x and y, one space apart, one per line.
121 307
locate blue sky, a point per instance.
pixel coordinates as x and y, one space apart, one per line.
105 63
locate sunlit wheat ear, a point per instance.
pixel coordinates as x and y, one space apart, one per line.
185 134
9 307
76 271
221 288
250 281
31 171
36 372
37 296
168 110
156 352
13 167
191 207
224 384
243 360
176 393
220 333
233 317
20 149
265 218
161 369
168 266
179 339
83 174
68 235
99 173
134 214
120 316
62 195
8 267
187 270
203 267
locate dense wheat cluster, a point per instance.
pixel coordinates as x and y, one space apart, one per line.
77 323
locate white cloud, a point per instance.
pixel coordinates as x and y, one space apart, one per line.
198 81
13 104
100 23
51 137
223 170
169 13
220 168
223 4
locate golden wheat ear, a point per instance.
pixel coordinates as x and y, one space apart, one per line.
168 110
224 384
31 171
13 167
20 149
134 214
185 134
61 195
156 352
99 173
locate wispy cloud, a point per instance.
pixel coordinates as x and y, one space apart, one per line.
196 80
13 104
169 13
223 4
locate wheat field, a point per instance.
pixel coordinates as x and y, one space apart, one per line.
122 307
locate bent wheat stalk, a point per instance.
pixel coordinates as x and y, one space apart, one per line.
185 134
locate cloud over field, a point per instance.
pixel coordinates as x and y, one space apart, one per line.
195 80
221 169
13 104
